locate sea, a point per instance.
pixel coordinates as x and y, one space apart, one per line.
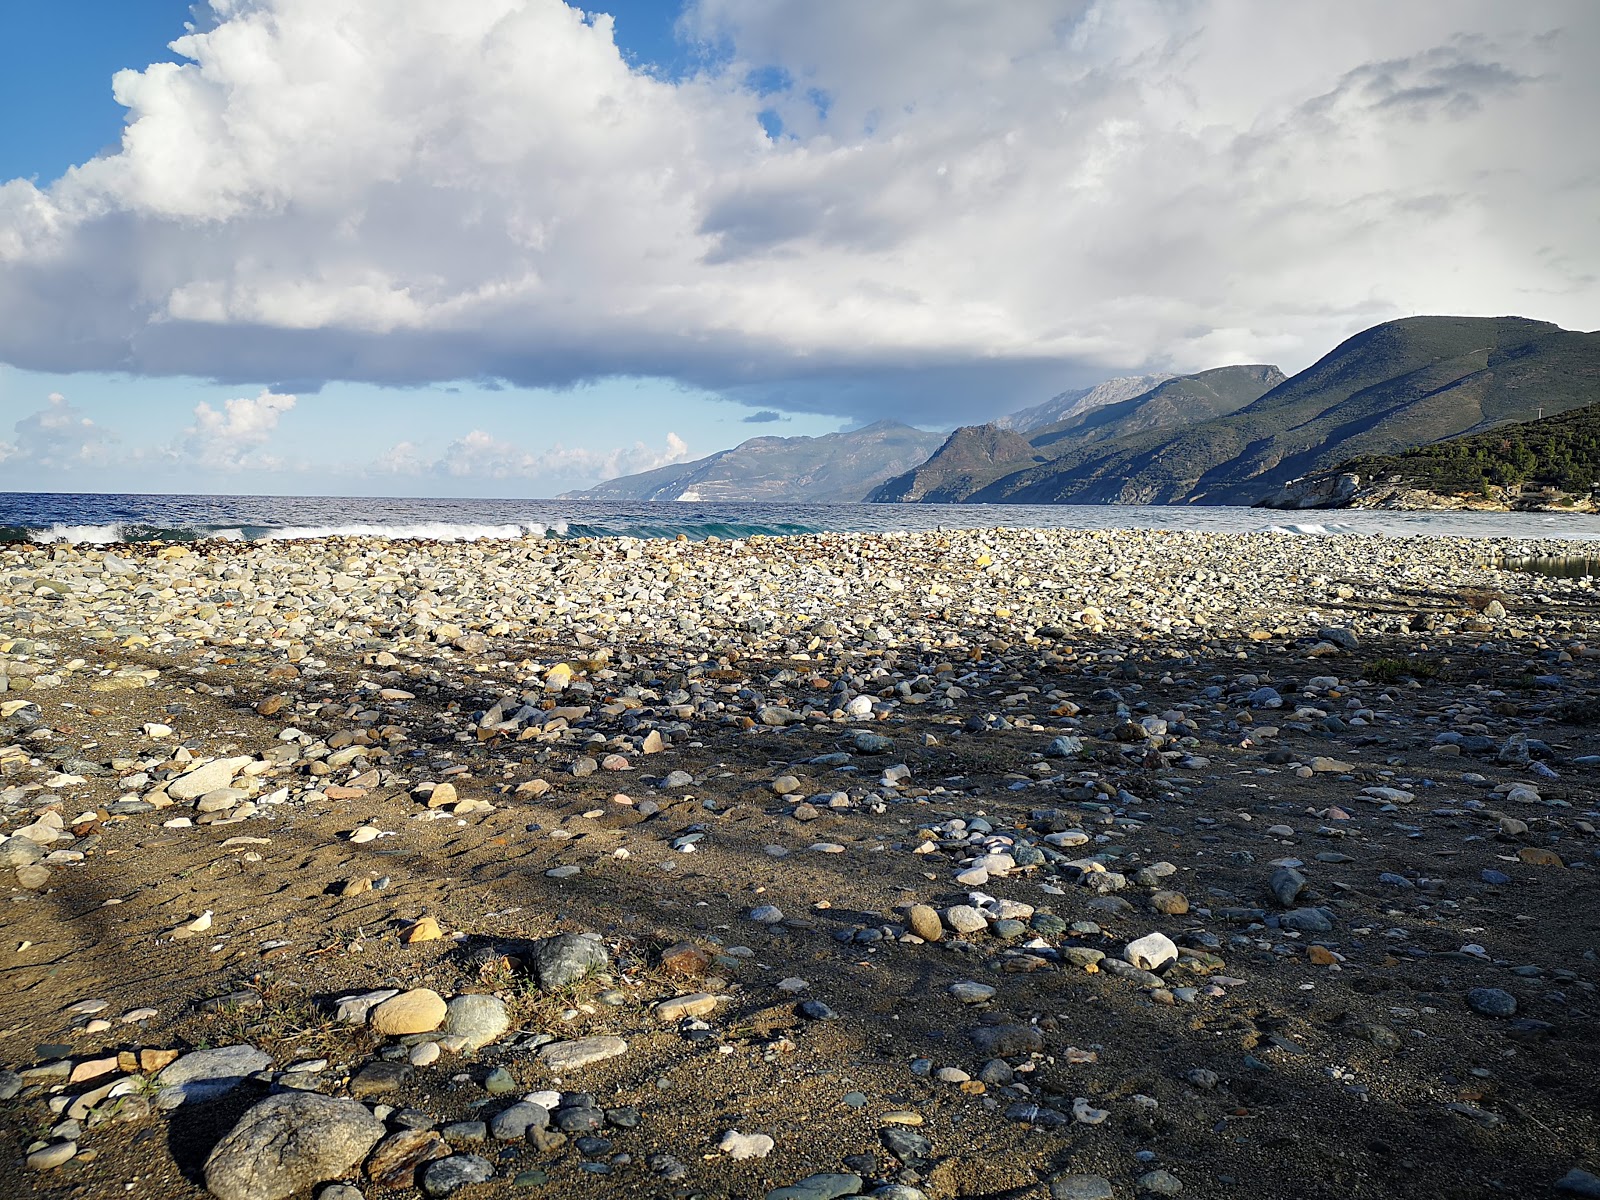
93 518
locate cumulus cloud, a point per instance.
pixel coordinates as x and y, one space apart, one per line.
58 436
962 206
480 455
765 417
234 435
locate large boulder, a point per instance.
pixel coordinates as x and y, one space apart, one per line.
288 1144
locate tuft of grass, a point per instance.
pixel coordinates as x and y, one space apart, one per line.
1392 670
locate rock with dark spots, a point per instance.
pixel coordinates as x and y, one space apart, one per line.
867 742
449 1175
288 1144
909 1146
1030 1113
1492 1002
1380 1036
1007 1041
563 960
1081 1187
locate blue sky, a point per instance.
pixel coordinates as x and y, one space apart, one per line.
72 117
505 247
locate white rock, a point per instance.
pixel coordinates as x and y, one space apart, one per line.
1152 952
745 1145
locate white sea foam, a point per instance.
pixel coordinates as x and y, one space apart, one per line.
433 531
76 535
1309 529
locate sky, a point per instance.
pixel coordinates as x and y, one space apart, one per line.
511 247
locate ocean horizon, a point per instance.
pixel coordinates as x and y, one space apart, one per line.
108 518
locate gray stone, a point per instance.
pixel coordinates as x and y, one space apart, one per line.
353 1010
1160 1183
1578 1182
1339 636
866 742
447 1175
478 1019
48 1158
290 1143
1286 885
378 1077
1492 1002
819 1187
1007 1041
568 957
216 774
514 1123
569 1056
19 852
207 1074
1308 920
1081 1187
10 1085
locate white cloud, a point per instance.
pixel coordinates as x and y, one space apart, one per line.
232 437
59 437
968 204
480 455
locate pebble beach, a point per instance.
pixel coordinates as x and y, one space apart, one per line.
1079 864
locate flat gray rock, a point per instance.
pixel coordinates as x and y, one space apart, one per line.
569 1056
1081 1187
207 1074
208 778
448 1175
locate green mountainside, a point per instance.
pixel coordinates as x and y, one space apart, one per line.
1397 385
1561 452
971 457
979 458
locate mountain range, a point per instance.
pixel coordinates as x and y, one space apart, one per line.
1230 435
976 462
1071 404
836 468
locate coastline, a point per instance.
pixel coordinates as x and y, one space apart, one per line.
1104 734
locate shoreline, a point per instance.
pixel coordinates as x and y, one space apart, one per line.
872 830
